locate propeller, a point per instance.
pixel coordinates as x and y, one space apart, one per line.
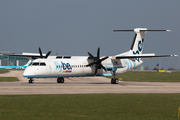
97 61
41 55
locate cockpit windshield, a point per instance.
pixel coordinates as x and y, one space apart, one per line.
42 64
35 64
38 64
30 64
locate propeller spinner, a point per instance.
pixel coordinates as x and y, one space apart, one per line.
97 61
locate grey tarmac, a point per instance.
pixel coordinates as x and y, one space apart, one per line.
81 85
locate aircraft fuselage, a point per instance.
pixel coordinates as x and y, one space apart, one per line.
76 67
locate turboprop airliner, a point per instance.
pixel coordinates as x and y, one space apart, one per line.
83 66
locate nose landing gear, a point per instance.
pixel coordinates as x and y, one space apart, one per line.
31 80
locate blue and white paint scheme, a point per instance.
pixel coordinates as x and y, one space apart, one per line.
82 66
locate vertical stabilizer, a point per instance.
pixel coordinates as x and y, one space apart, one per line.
138 42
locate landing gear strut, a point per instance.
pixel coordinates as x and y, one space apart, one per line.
60 80
31 80
114 80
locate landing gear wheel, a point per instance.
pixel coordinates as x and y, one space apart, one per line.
31 81
114 81
60 80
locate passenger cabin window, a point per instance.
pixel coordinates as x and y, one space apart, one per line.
42 64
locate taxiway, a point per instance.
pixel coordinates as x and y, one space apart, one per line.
81 86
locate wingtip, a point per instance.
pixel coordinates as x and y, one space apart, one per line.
174 55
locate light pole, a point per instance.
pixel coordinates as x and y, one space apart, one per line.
8 57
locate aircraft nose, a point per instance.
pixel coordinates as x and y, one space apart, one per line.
28 72
25 73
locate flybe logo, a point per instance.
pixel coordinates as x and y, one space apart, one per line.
140 47
63 67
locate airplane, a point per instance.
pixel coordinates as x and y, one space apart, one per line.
45 66
16 67
157 67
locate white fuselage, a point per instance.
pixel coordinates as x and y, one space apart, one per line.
76 67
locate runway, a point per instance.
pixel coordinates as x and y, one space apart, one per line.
81 86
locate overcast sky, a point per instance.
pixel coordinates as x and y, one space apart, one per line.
73 27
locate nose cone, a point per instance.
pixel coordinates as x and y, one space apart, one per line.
28 72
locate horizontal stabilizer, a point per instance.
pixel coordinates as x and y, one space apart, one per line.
142 56
141 30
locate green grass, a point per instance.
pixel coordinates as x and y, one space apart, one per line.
90 107
3 71
150 76
8 79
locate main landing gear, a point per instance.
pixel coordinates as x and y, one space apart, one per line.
31 80
60 80
114 80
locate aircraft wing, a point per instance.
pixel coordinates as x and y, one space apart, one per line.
142 56
23 55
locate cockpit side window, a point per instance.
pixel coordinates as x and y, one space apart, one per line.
35 64
42 64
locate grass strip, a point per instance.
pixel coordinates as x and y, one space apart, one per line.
90 107
3 71
8 79
150 76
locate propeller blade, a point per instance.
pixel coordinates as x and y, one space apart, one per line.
40 52
90 55
47 54
103 67
104 58
97 61
90 64
98 52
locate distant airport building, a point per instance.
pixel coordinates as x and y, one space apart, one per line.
11 60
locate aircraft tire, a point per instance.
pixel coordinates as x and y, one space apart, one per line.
114 81
62 80
31 81
58 80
